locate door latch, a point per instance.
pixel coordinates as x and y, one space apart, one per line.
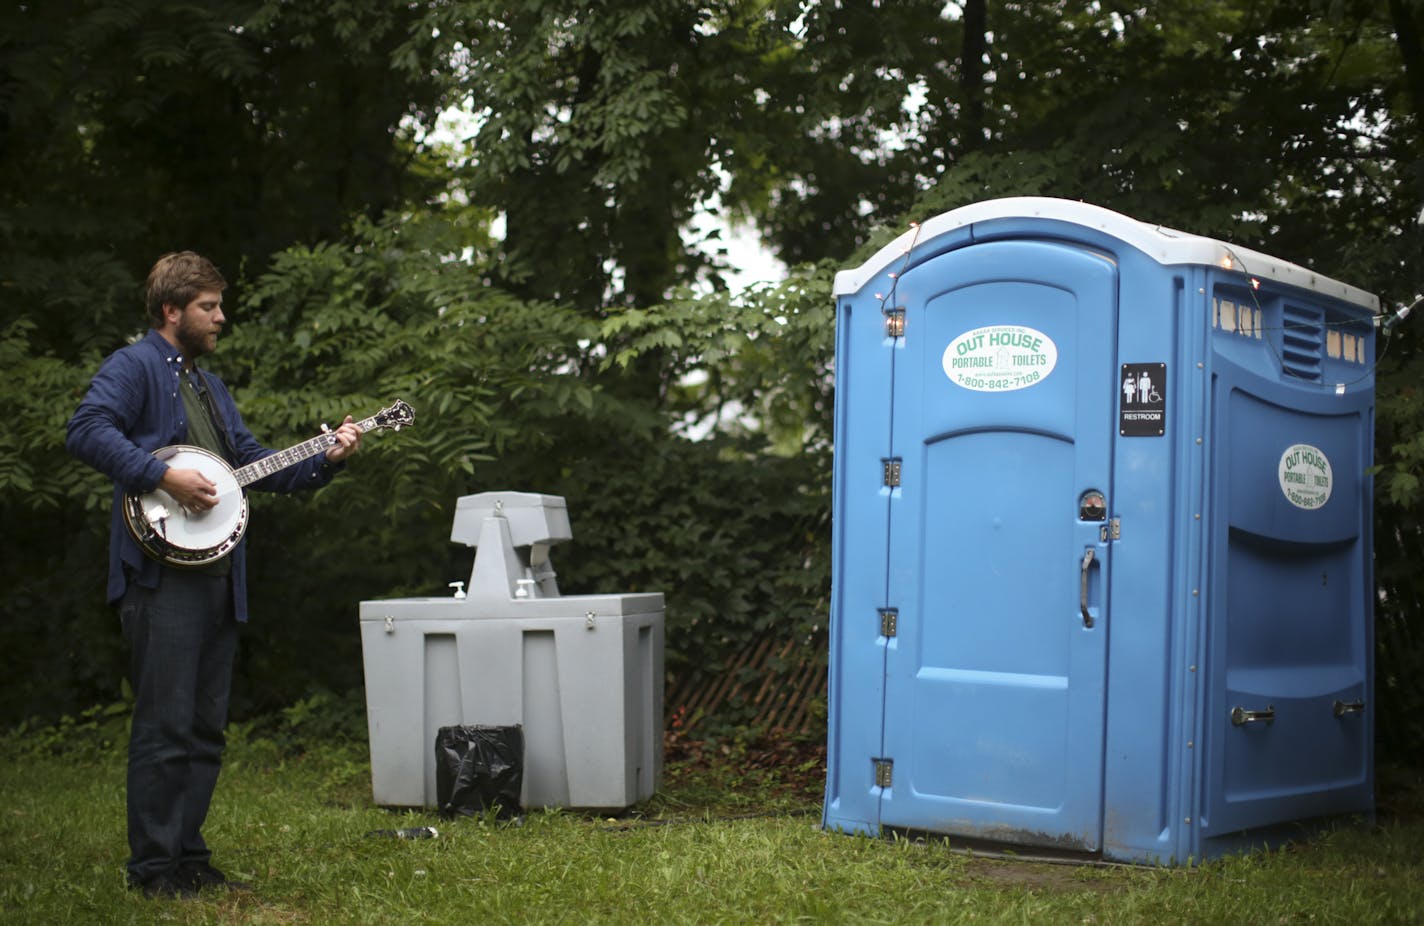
1240 716
1349 707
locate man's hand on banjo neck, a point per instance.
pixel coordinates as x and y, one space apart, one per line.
196 492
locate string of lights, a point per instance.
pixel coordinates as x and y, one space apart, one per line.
1338 387
895 315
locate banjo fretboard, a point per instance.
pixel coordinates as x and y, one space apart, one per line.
259 469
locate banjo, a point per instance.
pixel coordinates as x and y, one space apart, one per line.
181 537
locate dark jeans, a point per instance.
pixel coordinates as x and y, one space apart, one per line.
182 640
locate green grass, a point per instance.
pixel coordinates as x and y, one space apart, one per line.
721 844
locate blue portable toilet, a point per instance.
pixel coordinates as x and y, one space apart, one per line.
1102 513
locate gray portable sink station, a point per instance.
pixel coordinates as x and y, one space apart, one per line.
583 674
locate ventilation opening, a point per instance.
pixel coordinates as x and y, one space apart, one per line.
1302 339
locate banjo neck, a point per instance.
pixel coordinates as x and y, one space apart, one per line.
173 534
260 469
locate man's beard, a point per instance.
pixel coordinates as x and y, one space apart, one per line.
194 343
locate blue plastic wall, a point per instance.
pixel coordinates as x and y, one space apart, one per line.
1046 683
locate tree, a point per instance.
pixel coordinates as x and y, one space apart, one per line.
128 129
599 128
580 352
230 128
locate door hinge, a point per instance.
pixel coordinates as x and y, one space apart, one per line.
884 772
889 619
1111 530
891 471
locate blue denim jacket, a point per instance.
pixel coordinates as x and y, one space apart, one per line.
132 409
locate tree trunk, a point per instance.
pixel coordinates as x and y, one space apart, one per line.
971 64
1408 20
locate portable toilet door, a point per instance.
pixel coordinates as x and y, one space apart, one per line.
1006 377
999 576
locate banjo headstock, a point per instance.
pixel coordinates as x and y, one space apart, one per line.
396 417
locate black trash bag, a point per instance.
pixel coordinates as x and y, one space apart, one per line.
478 768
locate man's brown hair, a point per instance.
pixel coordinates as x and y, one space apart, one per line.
176 279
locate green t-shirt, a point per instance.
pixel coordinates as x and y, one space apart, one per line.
203 432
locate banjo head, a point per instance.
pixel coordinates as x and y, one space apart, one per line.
189 538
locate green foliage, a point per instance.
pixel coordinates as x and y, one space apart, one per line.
33 464
397 312
755 363
233 128
403 310
95 734
733 527
55 548
588 351
602 127
322 723
1265 126
737 544
1399 544
843 94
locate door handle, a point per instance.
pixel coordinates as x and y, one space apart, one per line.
1240 716
1349 707
1083 588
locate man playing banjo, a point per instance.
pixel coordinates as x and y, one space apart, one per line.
180 617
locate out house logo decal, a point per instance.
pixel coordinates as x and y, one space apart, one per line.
1305 476
1000 358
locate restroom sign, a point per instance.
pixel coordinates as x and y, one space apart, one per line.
1142 398
1000 358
